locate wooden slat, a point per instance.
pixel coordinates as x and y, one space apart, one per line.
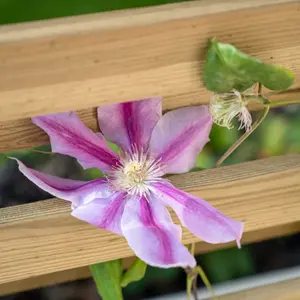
124 18
83 272
286 290
44 280
23 134
82 62
42 237
51 279
43 72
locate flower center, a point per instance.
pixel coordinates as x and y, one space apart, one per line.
135 174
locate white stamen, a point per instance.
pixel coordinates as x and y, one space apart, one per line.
225 107
135 172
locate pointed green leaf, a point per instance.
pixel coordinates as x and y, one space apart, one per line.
218 76
107 277
135 272
226 68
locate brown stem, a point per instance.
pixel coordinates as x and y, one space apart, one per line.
259 88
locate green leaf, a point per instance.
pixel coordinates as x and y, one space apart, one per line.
220 77
107 277
135 272
226 68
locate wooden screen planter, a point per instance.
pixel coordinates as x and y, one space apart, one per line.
82 62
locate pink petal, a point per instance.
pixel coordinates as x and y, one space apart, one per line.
179 136
150 232
103 213
199 217
68 135
78 192
129 125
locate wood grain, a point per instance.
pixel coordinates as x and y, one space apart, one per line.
84 272
42 237
76 64
23 134
286 290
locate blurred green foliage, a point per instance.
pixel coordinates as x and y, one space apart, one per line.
227 264
32 155
279 134
153 277
14 11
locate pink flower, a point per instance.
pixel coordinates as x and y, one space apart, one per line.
132 199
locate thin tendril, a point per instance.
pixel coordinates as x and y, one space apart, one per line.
243 137
43 152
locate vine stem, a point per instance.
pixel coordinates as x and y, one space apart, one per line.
283 102
195 289
43 152
190 276
244 136
192 250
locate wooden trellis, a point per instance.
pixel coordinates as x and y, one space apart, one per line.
82 62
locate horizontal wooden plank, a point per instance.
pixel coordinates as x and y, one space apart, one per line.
52 279
84 272
285 290
79 62
42 237
123 18
23 134
44 280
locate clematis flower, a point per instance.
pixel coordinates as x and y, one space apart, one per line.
225 107
132 199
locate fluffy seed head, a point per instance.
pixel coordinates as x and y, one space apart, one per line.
226 106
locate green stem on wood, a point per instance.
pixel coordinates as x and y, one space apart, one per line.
243 137
283 102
